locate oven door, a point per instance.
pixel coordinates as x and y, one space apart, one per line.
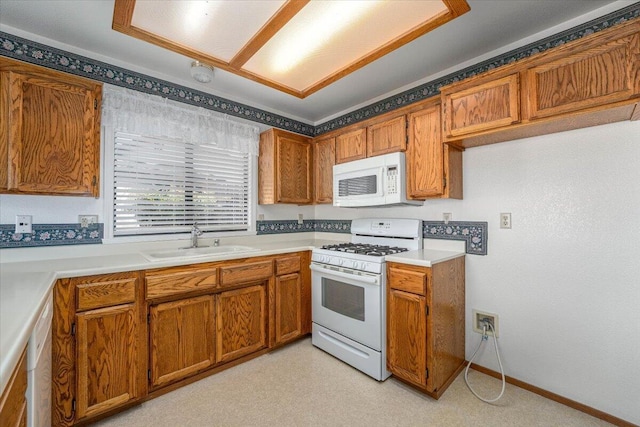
348 302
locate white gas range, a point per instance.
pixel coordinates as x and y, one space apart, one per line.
349 291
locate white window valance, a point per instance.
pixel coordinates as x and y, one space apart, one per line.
126 110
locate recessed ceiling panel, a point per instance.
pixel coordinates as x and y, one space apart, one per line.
219 28
328 36
296 46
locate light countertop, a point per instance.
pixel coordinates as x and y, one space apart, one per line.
26 283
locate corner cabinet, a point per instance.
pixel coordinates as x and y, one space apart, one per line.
425 324
285 166
49 131
98 346
13 402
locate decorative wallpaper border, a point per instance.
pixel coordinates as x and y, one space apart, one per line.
51 235
308 225
50 57
473 233
39 54
429 89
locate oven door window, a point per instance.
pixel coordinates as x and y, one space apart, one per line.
343 298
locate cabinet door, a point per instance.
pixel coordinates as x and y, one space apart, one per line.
387 137
241 319
288 308
13 403
107 362
406 336
181 339
52 133
425 159
483 107
351 146
324 158
294 163
589 78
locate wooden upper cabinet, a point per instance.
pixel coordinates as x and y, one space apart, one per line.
586 77
485 106
49 131
351 146
324 158
434 169
387 137
285 168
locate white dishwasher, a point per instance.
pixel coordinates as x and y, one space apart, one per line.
39 369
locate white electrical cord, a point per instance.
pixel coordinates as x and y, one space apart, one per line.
485 337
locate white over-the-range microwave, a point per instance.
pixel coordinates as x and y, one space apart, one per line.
374 181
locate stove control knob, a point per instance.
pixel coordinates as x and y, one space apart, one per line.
341 262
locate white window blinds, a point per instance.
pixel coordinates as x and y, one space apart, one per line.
165 186
173 164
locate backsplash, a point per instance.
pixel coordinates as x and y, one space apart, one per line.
50 235
473 233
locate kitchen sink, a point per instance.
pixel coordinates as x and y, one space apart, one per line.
202 251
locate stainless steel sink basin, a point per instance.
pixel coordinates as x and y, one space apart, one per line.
203 251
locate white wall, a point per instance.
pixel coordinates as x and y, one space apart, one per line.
564 280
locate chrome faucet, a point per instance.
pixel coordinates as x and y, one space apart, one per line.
195 232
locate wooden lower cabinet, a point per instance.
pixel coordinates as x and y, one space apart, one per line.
98 346
241 321
13 402
425 324
107 359
122 338
288 308
181 339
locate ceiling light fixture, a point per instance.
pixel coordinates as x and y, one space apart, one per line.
202 73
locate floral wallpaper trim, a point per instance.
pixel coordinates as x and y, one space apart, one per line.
50 57
429 89
308 225
474 233
51 235
39 54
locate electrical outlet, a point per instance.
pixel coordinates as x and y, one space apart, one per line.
300 219
505 220
23 224
260 217
482 317
446 217
87 221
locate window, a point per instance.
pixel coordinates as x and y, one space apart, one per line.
165 186
169 165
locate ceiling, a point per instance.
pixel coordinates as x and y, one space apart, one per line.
295 46
85 27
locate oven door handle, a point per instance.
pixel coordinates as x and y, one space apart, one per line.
327 271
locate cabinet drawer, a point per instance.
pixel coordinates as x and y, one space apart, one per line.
287 265
408 280
245 273
105 294
178 281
